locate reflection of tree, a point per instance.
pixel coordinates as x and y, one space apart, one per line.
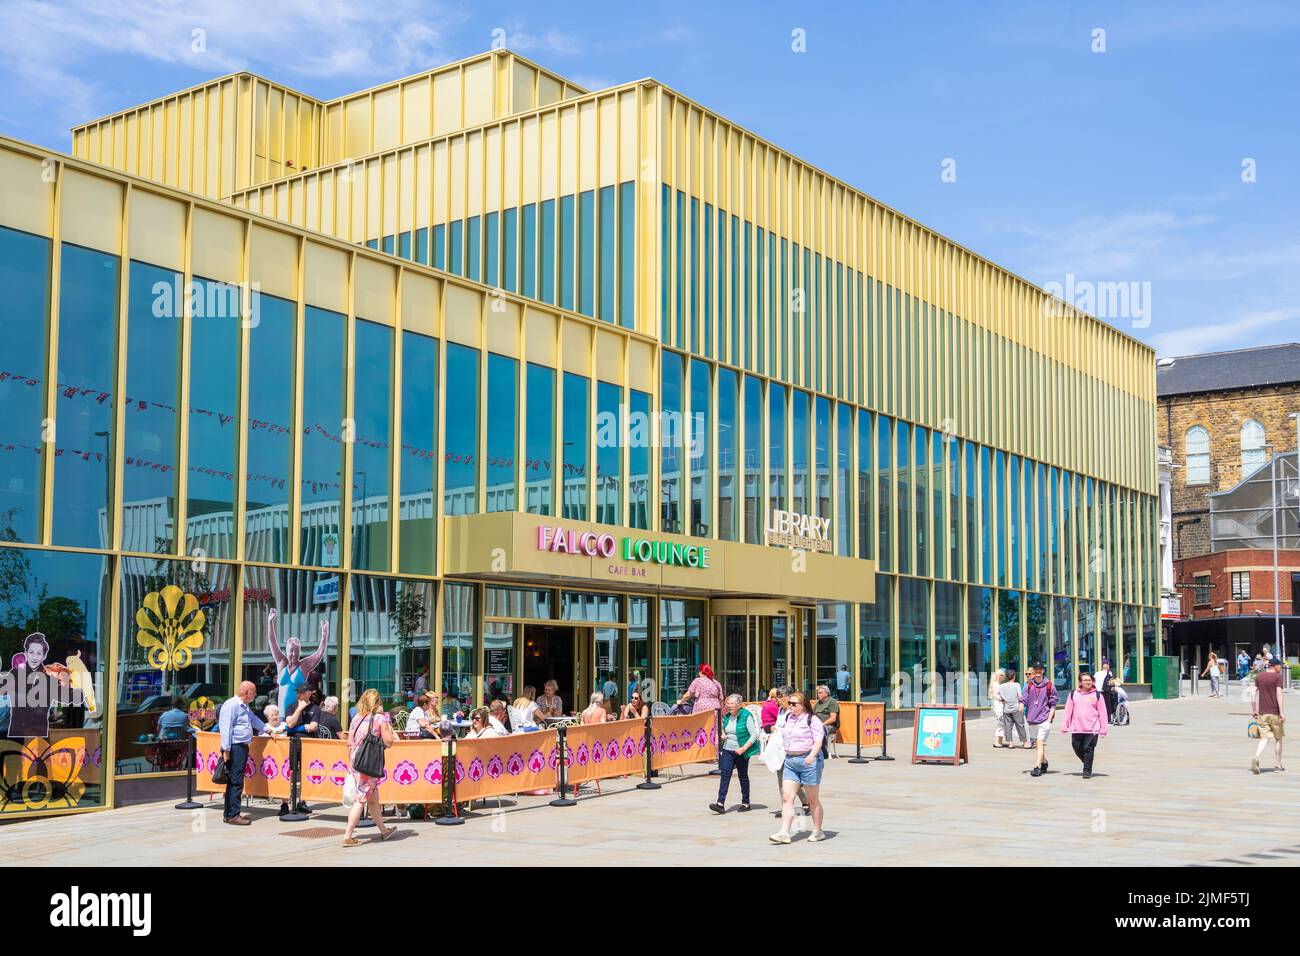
407 618
17 586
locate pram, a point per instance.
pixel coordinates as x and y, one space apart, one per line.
1121 716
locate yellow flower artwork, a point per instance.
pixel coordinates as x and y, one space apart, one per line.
170 626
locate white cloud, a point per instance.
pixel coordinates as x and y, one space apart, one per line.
45 45
554 41
1213 336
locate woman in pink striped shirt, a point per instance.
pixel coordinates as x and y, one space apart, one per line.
802 736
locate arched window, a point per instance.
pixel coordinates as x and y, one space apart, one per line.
1197 453
1252 446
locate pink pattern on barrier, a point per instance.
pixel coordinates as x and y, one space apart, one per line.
515 765
338 773
475 769
286 770
406 773
581 755
495 767
536 761
249 768
316 772
629 747
433 772
611 750
702 739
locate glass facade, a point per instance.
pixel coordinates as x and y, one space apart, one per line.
166 450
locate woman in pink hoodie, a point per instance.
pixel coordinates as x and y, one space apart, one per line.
1085 720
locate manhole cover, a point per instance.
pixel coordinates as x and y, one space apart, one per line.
315 833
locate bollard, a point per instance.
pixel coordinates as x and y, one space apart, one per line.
189 802
648 784
452 817
563 799
295 781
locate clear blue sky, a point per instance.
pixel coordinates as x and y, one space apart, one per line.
1116 166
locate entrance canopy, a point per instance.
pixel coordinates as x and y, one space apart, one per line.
511 545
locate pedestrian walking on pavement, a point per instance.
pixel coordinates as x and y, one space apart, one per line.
1039 698
236 725
1085 721
739 743
995 701
1266 705
1013 710
802 735
1213 669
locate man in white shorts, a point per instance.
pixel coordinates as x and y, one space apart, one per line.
1039 698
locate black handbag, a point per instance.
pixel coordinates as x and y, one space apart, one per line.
369 756
221 772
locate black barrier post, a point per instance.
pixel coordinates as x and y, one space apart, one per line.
452 817
563 799
717 771
189 802
884 738
648 784
857 749
295 781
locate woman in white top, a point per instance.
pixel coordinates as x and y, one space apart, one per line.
525 715
1212 668
479 726
417 721
995 699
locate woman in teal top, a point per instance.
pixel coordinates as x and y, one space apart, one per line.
739 743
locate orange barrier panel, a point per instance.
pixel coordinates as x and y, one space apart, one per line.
41 774
866 718
412 771
612 749
86 744
266 772
492 766
689 739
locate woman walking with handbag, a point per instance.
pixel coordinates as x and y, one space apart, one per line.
369 736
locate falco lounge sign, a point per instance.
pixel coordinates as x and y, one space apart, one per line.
594 544
789 529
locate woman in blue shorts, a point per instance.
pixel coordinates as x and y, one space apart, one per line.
803 737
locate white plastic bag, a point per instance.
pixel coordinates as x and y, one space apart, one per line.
350 789
773 755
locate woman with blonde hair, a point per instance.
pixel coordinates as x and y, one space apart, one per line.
995 679
524 712
370 720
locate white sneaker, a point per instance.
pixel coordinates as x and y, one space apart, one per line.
780 837
817 836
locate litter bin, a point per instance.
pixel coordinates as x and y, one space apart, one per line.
1164 678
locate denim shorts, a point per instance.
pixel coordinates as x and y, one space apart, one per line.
795 769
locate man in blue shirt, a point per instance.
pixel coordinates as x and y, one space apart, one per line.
237 725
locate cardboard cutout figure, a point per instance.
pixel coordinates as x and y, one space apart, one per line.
291 669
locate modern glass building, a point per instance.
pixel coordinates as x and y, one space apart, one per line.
478 380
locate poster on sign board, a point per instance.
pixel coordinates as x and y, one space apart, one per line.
939 735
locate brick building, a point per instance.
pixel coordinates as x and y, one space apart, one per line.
1216 412
1223 417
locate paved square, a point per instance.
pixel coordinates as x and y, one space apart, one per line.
1173 788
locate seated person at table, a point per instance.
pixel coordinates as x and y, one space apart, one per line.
417 721
550 702
596 712
525 715
498 717
275 727
636 708
827 709
329 716
479 726
172 723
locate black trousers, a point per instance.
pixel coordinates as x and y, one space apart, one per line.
727 759
1084 747
235 788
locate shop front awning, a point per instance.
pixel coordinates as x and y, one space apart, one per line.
512 546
